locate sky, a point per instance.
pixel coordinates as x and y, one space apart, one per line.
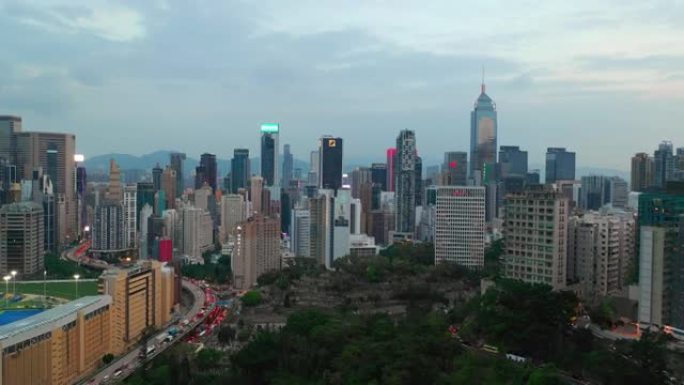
603 78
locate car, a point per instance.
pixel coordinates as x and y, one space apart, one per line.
118 372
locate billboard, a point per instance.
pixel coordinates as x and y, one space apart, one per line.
270 128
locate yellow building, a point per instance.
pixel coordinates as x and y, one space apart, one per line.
57 346
142 298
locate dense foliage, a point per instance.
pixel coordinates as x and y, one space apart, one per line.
58 268
251 298
219 272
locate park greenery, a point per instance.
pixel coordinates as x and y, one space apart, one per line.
251 298
58 268
218 272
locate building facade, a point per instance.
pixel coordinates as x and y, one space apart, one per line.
330 163
257 250
560 165
405 182
483 135
22 238
642 172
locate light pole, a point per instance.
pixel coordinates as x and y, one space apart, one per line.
76 277
6 278
14 283
44 289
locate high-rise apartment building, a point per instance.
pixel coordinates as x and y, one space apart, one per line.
114 191
156 177
197 232
391 154
206 172
21 238
455 169
663 164
642 172
300 230
594 192
58 346
405 182
288 166
330 164
109 228
601 249
459 226
535 236
232 213
483 135
142 297
512 161
176 163
130 201
560 164
10 126
257 250
240 169
270 153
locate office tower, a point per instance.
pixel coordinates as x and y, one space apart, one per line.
600 252
455 168
419 180
130 201
618 192
270 153
21 238
10 126
314 168
232 213
144 216
256 188
320 222
288 165
459 230
330 163
169 186
81 189
54 153
206 172
359 177
379 175
483 134
532 177
142 298
285 210
239 169
391 154
594 192
197 232
405 182
43 194
560 164
642 172
536 217
341 225
176 164
257 250
663 160
145 195
653 285
512 161
202 197
57 346
300 230
156 177
663 212
109 229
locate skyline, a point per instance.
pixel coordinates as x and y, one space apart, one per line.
99 68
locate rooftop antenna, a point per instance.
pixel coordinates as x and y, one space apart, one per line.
483 77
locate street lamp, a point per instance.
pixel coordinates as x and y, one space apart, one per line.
14 283
44 289
6 278
76 277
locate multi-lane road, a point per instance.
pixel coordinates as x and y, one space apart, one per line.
125 365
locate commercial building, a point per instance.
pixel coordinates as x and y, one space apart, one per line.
642 172
21 238
270 153
512 161
233 211
130 212
142 297
206 172
288 166
169 184
560 164
379 175
330 163
455 169
109 229
391 154
459 231
601 250
176 164
300 231
483 136
58 346
240 170
405 182
535 236
663 164
10 126
197 229
257 250
653 310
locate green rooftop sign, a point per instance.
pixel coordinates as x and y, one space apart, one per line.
270 128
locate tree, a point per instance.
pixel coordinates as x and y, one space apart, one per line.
107 358
208 359
226 334
251 298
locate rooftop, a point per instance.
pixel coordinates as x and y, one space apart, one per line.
21 207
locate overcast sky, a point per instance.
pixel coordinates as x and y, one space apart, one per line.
604 80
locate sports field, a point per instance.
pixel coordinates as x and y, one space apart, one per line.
66 290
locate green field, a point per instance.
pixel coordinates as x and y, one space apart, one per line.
66 290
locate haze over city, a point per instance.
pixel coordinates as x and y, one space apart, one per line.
133 78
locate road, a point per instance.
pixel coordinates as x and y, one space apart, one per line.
131 360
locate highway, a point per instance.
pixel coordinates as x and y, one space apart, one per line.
128 363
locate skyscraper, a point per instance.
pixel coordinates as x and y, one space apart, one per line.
560 164
239 169
483 134
663 159
455 168
513 161
130 216
405 182
144 196
21 238
391 153
594 192
232 213
642 173
10 126
379 175
330 153
459 232
169 185
257 250
156 177
206 172
109 236
177 159
269 153
288 166
114 191
545 211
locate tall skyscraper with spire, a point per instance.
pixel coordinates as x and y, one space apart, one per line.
483 135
